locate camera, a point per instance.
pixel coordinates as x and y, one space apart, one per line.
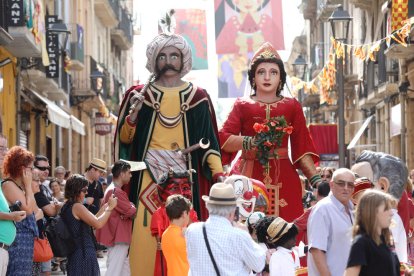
16 206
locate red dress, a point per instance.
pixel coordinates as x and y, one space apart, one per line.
284 187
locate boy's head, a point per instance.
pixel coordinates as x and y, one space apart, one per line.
281 233
178 206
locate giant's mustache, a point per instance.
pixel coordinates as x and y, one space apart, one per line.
169 67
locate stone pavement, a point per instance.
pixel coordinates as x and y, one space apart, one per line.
102 266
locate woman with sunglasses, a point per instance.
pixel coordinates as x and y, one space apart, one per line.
17 189
79 220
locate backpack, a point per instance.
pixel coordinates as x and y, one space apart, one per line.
60 237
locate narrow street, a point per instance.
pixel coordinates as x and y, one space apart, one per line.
102 266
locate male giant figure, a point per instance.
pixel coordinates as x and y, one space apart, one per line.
389 174
152 117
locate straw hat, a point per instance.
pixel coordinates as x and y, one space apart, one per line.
277 229
98 164
221 194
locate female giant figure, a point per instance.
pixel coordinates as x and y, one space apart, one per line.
267 77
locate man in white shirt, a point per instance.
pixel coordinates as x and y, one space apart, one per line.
329 227
232 249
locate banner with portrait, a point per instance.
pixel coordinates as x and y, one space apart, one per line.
242 26
192 25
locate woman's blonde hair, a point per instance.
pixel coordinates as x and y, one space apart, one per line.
366 215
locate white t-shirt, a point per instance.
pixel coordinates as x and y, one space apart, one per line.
283 262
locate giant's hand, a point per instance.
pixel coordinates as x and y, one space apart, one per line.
136 103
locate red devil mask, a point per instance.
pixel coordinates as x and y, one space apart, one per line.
176 183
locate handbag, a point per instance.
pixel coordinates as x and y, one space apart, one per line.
42 252
209 250
62 240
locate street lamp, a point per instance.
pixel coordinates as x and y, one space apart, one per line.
340 20
299 67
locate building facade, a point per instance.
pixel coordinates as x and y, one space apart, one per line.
378 92
60 92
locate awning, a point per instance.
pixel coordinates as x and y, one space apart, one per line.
55 114
359 133
77 125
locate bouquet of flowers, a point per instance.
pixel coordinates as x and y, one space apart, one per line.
269 136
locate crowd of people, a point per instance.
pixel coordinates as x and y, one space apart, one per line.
170 207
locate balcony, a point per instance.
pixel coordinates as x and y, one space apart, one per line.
105 12
82 85
77 50
5 37
324 8
362 4
309 9
36 79
122 36
23 43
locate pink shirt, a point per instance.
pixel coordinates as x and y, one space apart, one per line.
118 229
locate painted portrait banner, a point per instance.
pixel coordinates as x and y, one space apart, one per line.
192 25
243 25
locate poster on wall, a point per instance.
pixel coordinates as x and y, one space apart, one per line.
241 27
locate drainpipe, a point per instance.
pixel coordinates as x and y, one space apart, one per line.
18 102
403 87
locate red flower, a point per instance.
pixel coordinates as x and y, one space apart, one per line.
268 144
269 136
288 129
257 127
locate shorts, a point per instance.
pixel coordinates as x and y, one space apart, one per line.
46 266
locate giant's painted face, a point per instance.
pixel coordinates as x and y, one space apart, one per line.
243 189
174 186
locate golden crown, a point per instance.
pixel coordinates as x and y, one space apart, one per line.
267 54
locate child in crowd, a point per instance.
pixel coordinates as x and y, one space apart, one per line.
370 251
251 223
262 239
282 236
173 242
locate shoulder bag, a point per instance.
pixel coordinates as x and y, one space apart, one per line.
209 250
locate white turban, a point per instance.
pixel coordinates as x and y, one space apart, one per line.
160 42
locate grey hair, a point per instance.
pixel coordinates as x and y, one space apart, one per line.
220 210
341 171
388 166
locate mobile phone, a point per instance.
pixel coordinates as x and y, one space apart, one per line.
237 214
16 206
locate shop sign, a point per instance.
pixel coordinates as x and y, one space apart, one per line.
16 16
52 46
102 127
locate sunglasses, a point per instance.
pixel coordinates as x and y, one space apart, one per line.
43 168
342 184
84 190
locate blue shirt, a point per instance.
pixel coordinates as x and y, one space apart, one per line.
7 228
